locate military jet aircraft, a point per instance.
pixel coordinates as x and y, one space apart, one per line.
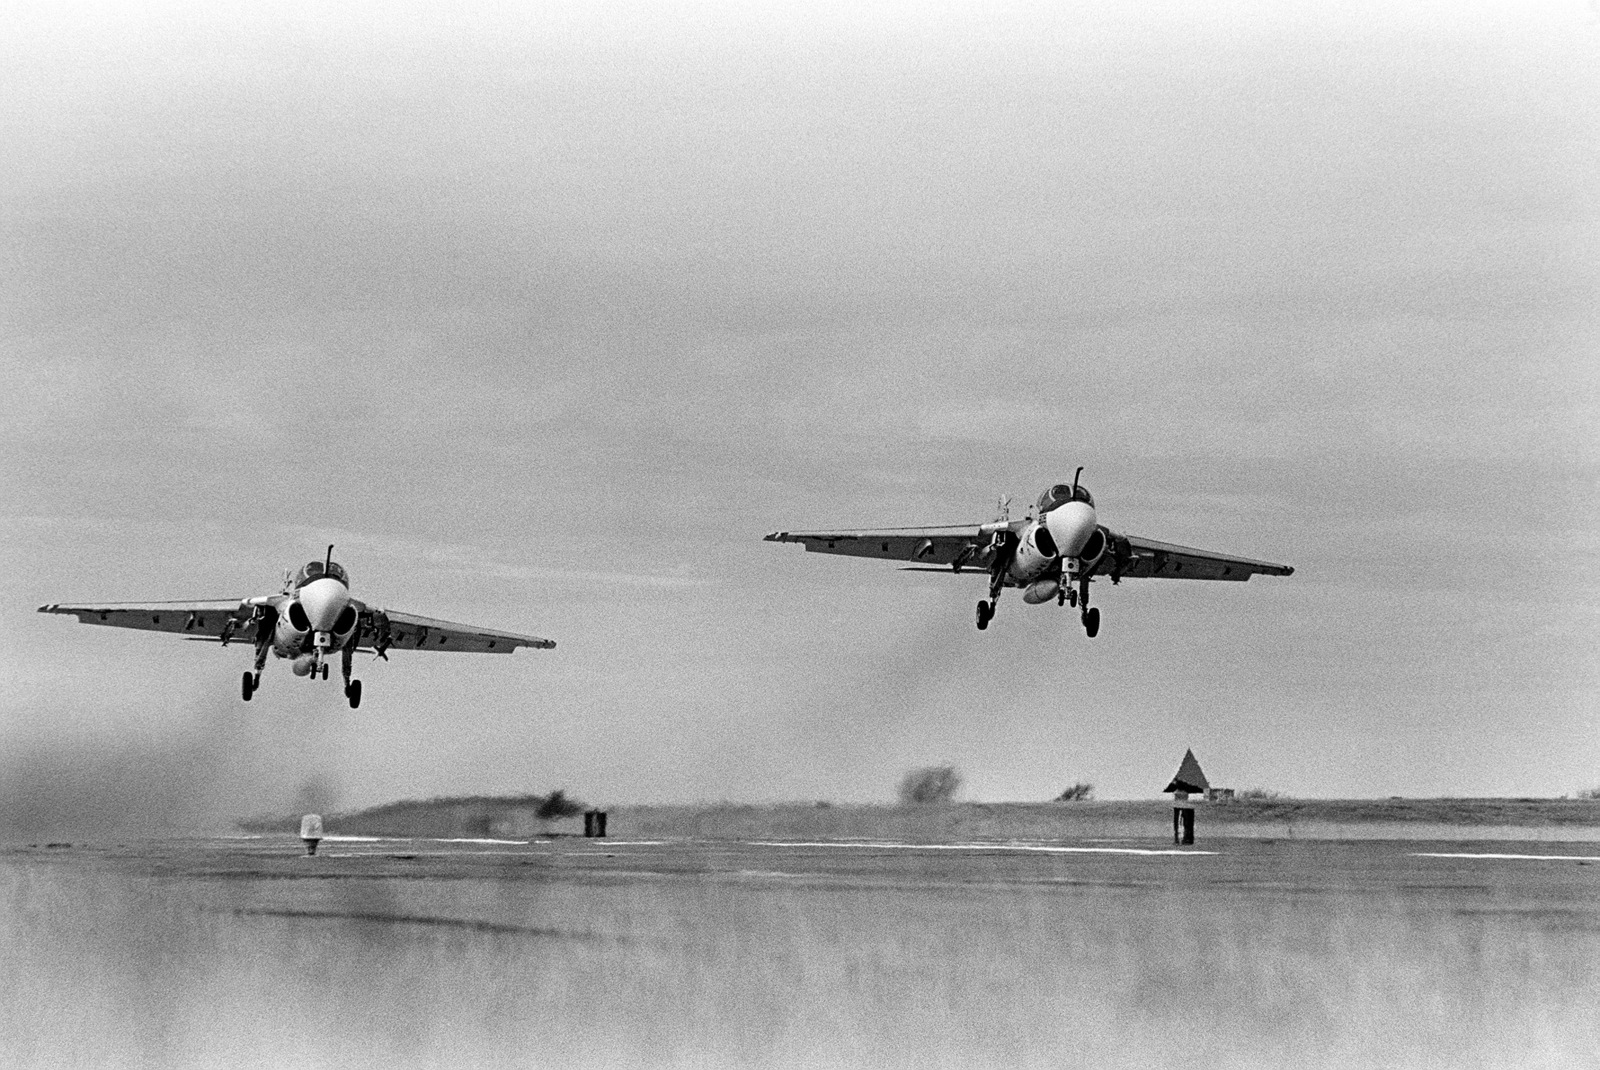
1053 553
313 618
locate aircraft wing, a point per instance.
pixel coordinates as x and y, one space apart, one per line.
193 620
1148 559
968 544
407 631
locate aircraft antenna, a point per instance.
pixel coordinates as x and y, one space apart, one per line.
329 562
1075 476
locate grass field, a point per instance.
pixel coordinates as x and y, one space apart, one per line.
1529 819
719 958
1535 819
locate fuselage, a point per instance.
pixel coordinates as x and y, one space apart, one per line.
1064 533
316 615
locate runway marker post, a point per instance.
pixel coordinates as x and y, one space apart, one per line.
311 832
1183 825
1189 779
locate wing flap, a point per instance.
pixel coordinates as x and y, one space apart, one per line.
407 631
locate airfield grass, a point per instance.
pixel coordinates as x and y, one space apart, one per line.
1533 819
515 817
748 969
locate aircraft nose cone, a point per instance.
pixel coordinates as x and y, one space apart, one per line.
323 600
1071 525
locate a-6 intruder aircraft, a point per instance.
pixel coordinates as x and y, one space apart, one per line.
312 619
1052 553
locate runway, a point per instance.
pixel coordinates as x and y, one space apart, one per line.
575 953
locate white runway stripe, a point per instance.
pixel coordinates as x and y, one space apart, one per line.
1514 858
1036 847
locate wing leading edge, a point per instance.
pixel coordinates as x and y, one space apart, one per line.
1149 559
407 631
966 545
198 620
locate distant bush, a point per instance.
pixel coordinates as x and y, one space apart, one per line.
1079 792
1258 795
934 784
1587 793
556 804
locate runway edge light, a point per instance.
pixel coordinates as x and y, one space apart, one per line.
311 832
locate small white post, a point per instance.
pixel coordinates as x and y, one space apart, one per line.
311 832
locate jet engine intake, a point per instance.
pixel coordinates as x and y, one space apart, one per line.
1094 547
1035 555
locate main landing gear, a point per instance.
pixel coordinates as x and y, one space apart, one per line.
985 614
1091 617
252 680
352 688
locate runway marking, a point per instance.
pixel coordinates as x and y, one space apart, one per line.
463 839
1513 858
1037 847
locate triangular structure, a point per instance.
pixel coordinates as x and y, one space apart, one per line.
1189 778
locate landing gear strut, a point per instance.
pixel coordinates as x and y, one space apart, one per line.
352 688
1091 617
997 581
252 680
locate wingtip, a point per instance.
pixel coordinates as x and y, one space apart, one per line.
774 536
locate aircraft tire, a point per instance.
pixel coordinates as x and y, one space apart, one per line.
353 693
1091 622
984 615
324 671
247 686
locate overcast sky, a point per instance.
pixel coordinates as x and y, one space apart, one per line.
545 314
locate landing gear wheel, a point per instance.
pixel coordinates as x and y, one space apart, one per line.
1091 622
247 686
985 615
324 672
353 693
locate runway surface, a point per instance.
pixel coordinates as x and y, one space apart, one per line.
575 953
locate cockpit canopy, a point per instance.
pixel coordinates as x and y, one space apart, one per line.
316 570
1062 493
